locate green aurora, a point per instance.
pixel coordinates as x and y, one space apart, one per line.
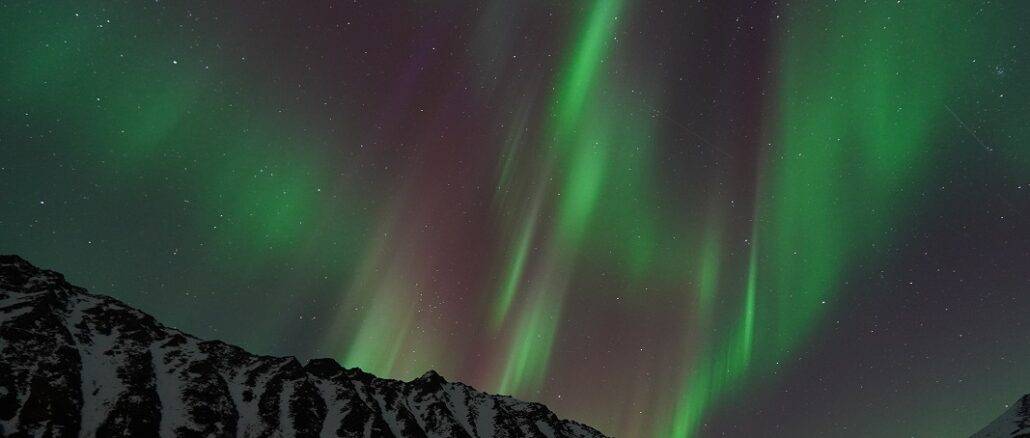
637 214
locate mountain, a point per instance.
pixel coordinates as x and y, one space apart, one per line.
1014 423
73 363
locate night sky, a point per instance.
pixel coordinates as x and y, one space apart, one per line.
660 218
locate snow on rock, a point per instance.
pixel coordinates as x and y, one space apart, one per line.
1014 423
77 364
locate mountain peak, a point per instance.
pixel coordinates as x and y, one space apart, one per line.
14 265
12 259
432 376
74 363
1014 422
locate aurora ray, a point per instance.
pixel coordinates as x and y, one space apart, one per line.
637 213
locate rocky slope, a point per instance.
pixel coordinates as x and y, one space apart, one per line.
77 364
1014 423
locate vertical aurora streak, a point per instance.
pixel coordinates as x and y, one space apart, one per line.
581 152
513 275
637 213
836 180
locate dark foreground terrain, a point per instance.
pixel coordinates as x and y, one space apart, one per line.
77 364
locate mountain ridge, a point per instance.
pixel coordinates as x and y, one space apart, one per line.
76 363
1013 423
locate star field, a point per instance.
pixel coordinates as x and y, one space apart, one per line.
658 218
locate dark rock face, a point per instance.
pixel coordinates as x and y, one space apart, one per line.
73 363
1014 423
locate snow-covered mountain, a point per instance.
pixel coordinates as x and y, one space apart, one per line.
1014 423
77 364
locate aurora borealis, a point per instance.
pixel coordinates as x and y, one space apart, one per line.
662 219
